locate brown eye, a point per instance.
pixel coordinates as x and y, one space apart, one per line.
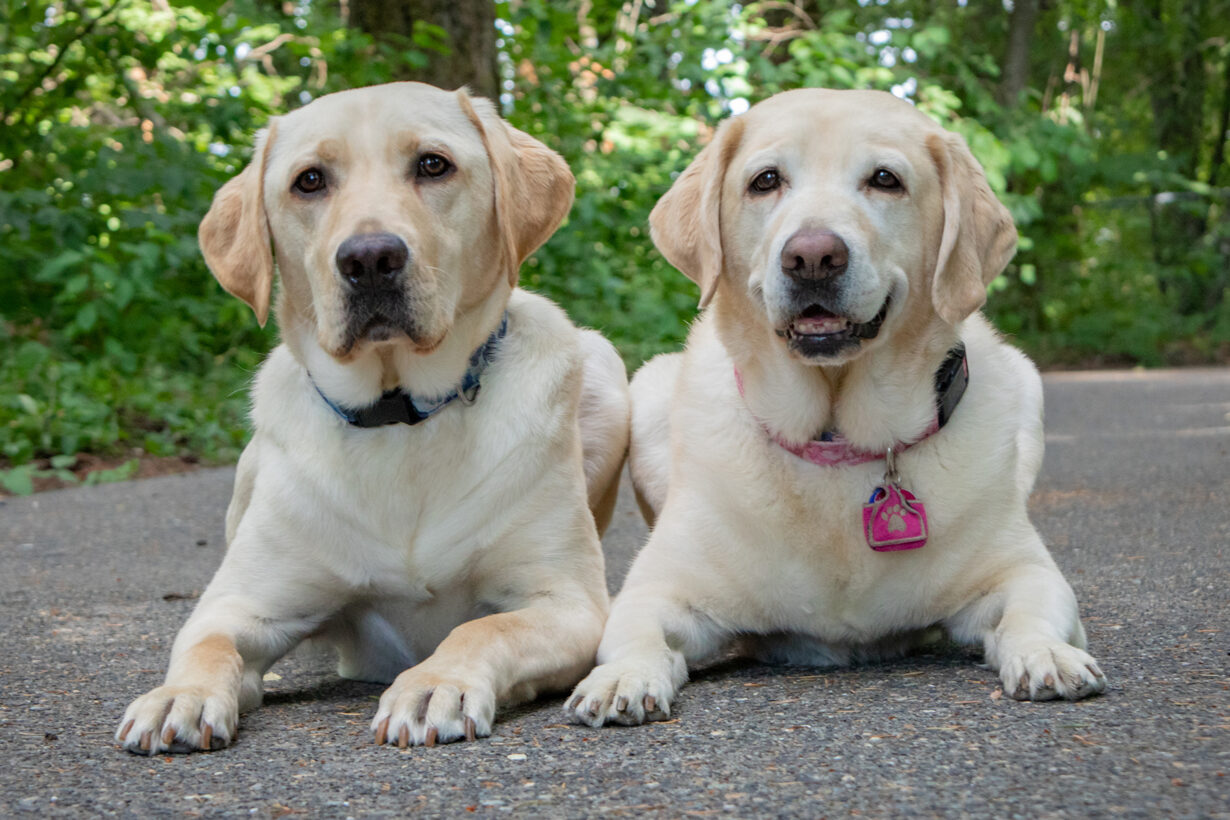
885 180
433 166
766 181
310 181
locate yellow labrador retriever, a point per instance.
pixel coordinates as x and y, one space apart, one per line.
429 441
840 460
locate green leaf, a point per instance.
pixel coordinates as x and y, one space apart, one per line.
87 317
19 480
123 472
58 263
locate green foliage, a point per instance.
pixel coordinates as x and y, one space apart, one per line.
121 118
625 131
1099 276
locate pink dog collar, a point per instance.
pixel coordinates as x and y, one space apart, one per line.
894 519
832 449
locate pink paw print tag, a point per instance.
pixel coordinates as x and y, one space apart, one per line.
893 518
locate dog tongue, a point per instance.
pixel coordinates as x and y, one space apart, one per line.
819 325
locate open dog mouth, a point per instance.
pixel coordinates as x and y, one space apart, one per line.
817 323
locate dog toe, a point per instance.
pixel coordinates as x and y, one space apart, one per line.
621 693
421 709
1051 671
178 720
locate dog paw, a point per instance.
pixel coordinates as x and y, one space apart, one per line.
422 709
1050 671
178 719
622 692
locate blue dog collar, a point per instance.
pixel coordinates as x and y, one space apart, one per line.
399 407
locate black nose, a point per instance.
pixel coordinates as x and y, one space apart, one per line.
814 255
372 261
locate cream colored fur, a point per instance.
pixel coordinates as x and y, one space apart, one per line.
458 558
755 548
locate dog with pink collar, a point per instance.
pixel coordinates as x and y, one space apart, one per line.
838 464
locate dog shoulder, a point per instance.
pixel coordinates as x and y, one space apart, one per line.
706 383
1011 376
1007 390
281 392
543 347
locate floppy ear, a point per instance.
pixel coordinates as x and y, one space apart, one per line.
979 237
686 224
234 235
533 185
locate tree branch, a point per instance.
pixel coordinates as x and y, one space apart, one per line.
60 52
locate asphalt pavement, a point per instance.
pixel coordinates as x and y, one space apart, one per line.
1134 501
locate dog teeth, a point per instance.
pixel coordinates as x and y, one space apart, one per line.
819 326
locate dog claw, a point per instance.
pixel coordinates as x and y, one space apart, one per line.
1049 681
471 729
422 712
382 730
1094 670
403 737
127 728
146 738
168 734
621 703
651 703
207 738
432 734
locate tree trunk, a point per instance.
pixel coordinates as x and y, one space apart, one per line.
1223 129
1016 60
469 27
1168 47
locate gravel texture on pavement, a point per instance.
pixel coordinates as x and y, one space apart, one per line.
1134 501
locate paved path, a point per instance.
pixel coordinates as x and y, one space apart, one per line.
1134 500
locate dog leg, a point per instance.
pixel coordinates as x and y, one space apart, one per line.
217 663
550 603
642 662
499 659
1032 634
656 628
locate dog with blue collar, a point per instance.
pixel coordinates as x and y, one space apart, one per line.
434 452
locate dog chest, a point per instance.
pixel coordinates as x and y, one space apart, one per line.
797 529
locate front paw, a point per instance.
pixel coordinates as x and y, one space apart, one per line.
179 719
624 692
1046 671
423 708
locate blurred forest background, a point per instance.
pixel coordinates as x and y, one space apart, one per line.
1101 123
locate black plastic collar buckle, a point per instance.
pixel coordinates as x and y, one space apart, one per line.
394 407
950 382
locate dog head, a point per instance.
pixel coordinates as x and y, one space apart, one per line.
832 218
392 210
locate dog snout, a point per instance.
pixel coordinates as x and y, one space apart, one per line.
815 255
372 261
